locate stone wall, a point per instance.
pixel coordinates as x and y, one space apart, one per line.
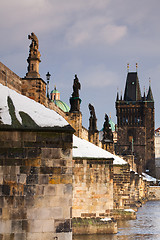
92 188
121 182
35 185
9 78
154 193
130 191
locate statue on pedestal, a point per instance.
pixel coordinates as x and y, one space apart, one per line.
107 132
75 100
34 57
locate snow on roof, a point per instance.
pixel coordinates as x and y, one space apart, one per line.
148 178
85 149
15 105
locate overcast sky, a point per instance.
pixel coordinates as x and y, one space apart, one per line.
94 39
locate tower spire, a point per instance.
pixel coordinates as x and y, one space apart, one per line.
117 98
121 95
150 95
144 96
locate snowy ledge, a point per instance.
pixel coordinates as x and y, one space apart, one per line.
84 149
20 112
129 210
106 219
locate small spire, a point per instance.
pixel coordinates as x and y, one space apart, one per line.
127 67
121 95
55 87
144 96
136 66
150 95
117 98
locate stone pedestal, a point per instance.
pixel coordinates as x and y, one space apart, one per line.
93 137
75 104
75 120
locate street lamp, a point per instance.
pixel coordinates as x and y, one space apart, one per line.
48 78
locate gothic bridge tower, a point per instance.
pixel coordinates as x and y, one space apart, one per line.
135 122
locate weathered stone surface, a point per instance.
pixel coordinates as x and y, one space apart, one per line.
92 188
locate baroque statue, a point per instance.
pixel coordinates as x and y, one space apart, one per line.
107 132
92 119
76 87
92 111
34 45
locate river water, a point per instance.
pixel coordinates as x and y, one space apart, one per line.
145 227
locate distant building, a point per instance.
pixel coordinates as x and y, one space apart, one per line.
135 122
55 97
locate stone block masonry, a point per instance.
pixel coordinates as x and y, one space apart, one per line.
92 196
92 187
154 193
35 185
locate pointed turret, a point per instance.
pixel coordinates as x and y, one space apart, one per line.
150 95
117 98
121 96
144 95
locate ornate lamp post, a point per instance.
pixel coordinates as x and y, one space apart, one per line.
48 78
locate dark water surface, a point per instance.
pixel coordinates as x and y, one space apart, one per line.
146 226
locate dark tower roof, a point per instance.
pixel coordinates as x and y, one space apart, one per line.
132 89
